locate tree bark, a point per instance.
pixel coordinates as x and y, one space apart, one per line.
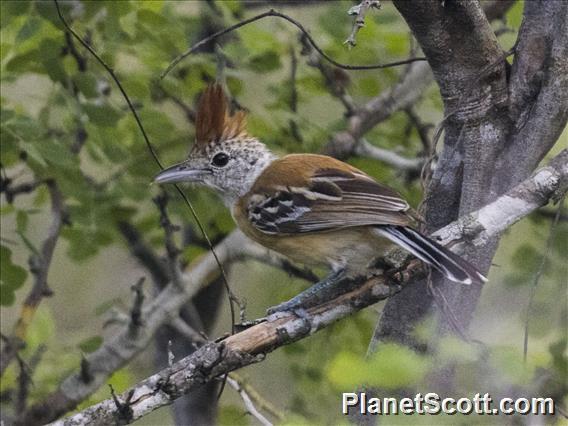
500 122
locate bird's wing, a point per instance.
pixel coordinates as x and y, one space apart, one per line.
332 198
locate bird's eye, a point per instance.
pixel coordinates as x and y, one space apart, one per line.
220 160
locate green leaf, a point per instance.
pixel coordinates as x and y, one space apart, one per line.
50 56
86 82
91 344
391 367
21 221
508 361
102 115
12 277
233 415
41 330
265 62
31 26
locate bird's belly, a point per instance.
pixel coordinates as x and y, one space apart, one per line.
352 249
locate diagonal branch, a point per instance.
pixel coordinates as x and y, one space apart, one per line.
399 97
251 345
118 350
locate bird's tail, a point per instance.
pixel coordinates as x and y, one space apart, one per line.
450 264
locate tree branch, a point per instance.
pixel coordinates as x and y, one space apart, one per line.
250 346
39 266
119 349
365 149
401 96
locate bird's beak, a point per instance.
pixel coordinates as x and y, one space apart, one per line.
181 173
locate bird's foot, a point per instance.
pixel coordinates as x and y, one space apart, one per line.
291 306
248 324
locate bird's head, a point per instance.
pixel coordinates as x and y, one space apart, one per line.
224 156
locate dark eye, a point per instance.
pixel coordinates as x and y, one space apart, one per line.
220 160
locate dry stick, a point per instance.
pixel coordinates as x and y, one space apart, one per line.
274 13
538 274
360 11
232 297
40 263
249 404
258 399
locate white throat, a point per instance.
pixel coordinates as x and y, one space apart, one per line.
248 180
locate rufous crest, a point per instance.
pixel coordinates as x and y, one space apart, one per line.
214 121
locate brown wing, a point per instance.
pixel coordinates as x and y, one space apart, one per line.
333 198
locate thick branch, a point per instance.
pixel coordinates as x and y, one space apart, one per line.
250 346
538 87
399 97
120 349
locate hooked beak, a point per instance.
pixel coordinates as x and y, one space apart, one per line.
181 173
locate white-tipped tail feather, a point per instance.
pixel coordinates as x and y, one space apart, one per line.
449 264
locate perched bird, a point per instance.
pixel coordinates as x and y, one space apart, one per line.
314 209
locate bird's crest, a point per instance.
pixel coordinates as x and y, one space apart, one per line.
213 121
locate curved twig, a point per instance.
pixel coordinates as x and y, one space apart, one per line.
275 13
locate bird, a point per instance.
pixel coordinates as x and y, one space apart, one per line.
313 209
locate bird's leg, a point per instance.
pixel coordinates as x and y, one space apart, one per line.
319 292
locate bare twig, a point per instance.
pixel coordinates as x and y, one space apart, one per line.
378 109
274 13
188 332
360 11
10 190
294 131
25 378
39 266
259 401
335 78
249 404
162 93
172 251
423 129
143 252
365 149
136 321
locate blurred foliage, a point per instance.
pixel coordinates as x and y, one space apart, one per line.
62 118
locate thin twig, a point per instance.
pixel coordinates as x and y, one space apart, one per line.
261 402
360 11
538 275
188 332
365 149
25 378
40 263
294 130
274 13
249 404
170 229
154 156
335 79
11 191
136 321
